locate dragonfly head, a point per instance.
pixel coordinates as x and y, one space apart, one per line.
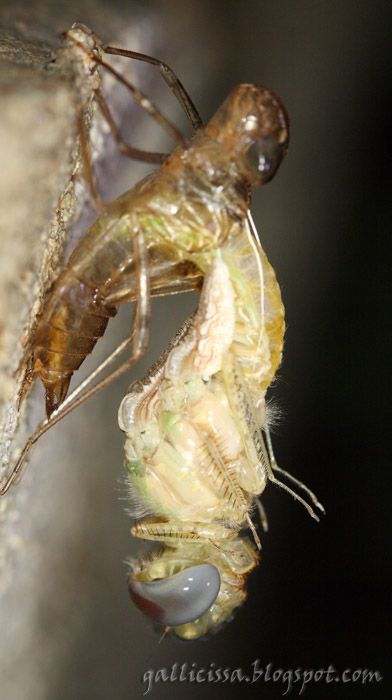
252 125
194 587
181 596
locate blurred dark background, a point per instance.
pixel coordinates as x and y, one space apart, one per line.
321 594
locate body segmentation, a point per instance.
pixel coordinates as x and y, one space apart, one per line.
195 451
184 212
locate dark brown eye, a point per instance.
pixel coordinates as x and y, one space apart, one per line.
263 158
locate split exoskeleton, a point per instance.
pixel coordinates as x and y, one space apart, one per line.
195 450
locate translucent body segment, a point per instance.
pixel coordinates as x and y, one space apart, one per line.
192 206
56 339
259 327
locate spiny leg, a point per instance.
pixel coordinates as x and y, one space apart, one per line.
138 154
156 529
262 514
134 153
249 429
81 393
138 338
170 79
173 532
73 400
289 476
264 457
167 73
128 150
88 169
127 291
123 146
142 100
171 279
218 539
225 480
272 478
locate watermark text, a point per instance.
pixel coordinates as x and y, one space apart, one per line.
292 680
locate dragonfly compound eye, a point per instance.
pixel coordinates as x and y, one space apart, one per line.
263 158
178 599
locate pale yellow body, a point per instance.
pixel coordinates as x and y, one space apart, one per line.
189 408
193 457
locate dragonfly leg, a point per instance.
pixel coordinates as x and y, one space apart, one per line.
125 148
262 514
252 436
166 531
167 73
88 170
138 339
170 79
289 476
142 100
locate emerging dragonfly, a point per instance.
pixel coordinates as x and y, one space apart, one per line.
195 451
157 239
